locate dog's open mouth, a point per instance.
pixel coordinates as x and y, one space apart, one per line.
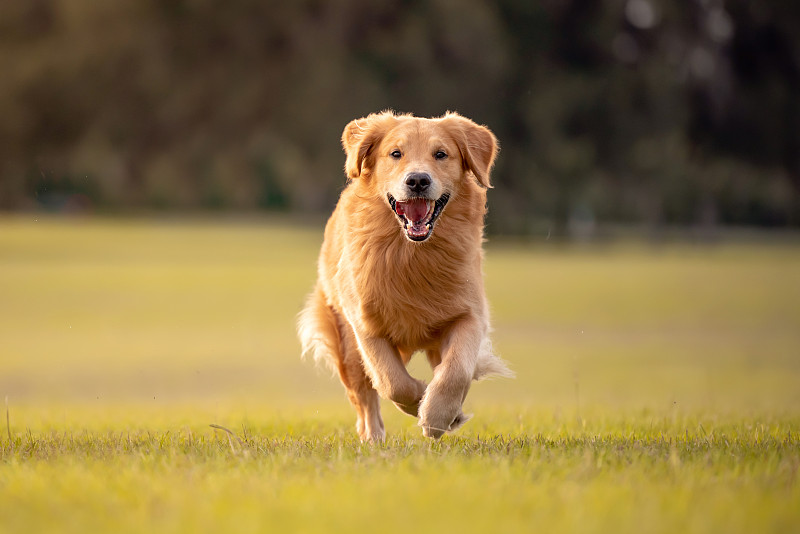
418 215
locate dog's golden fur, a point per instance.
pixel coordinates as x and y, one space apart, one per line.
381 296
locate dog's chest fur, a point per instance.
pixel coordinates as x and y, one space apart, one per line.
408 292
389 287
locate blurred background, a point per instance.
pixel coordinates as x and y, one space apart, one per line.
614 116
642 113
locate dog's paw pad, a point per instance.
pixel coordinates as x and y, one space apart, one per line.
459 421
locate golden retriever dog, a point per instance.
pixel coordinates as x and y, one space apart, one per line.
400 270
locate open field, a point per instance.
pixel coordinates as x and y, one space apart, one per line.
658 390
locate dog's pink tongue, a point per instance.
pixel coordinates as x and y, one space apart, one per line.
415 209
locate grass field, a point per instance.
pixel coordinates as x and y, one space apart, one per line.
657 390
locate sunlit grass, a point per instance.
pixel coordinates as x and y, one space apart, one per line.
621 475
656 390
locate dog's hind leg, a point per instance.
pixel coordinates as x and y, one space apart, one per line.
359 388
330 340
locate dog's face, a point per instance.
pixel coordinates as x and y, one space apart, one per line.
418 165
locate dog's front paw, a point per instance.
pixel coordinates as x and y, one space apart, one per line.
459 421
433 431
438 415
410 403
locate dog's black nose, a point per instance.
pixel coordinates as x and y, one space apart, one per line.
418 182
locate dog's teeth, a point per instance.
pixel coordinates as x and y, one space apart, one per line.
428 226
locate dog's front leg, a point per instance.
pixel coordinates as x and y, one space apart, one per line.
440 409
388 374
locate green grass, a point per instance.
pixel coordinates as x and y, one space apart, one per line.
658 390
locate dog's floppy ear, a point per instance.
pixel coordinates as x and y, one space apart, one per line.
477 144
360 137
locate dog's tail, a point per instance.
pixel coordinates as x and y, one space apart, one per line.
489 364
318 331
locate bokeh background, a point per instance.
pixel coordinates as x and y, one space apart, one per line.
642 113
161 119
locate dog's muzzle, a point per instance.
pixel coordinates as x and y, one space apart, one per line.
418 215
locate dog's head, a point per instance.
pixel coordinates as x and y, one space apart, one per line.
418 165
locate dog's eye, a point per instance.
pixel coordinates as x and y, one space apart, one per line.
440 154
396 154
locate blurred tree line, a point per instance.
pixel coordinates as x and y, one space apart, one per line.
631 111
